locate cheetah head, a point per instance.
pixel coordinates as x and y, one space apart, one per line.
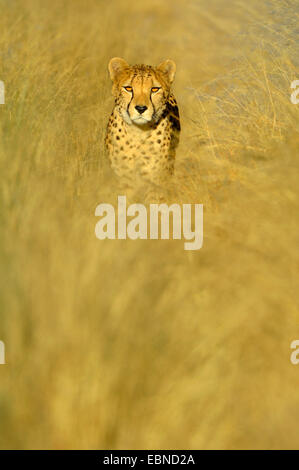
141 91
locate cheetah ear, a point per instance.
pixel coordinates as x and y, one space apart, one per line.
116 65
168 67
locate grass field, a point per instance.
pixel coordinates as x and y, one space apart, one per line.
140 344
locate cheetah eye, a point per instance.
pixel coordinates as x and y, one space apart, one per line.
128 88
155 89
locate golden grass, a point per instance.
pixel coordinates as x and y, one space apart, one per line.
139 344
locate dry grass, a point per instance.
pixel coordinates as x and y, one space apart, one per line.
139 344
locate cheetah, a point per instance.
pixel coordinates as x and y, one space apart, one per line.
144 126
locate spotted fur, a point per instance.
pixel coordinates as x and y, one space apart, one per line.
144 126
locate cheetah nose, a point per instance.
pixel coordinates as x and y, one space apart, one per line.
141 109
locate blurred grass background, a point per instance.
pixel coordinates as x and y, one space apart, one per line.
139 344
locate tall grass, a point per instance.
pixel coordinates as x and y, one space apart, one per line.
139 344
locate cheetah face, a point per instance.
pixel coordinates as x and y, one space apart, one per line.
141 91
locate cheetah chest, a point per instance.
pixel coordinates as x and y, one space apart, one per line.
135 150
